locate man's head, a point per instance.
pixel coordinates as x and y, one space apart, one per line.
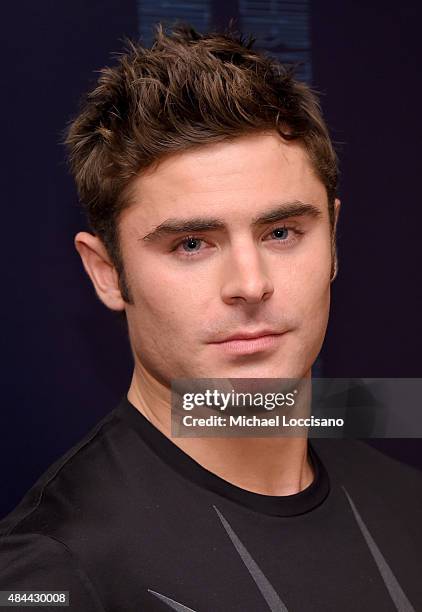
209 180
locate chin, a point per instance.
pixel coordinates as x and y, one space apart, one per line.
260 370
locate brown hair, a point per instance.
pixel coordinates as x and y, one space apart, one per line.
188 89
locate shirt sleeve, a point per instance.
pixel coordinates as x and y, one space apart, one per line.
38 562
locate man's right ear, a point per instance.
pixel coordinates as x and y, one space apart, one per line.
100 270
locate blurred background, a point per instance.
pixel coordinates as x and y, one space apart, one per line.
66 359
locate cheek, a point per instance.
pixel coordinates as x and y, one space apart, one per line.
165 300
309 281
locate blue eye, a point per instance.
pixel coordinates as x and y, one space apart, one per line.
280 233
191 245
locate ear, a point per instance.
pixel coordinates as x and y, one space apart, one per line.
334 266
100 270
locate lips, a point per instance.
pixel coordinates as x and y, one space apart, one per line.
248 335
248 343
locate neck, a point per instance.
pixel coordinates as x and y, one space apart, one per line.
269 466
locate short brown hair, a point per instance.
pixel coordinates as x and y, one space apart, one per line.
188 89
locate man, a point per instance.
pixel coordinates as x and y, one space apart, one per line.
210 185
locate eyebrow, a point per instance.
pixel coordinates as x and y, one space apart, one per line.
280 212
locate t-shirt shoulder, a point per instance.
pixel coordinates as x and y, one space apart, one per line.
37 562
369 475
61 473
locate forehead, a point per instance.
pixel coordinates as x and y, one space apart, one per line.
235 180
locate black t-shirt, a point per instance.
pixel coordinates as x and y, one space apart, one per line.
126 522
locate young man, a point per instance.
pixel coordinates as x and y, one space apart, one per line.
210 180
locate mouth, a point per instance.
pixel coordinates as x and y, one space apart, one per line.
247 344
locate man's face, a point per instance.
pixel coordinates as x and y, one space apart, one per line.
211 257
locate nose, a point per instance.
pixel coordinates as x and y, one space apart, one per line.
245 279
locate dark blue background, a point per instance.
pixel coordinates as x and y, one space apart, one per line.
66 359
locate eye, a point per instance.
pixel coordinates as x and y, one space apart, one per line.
285 236
280 233
189 246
